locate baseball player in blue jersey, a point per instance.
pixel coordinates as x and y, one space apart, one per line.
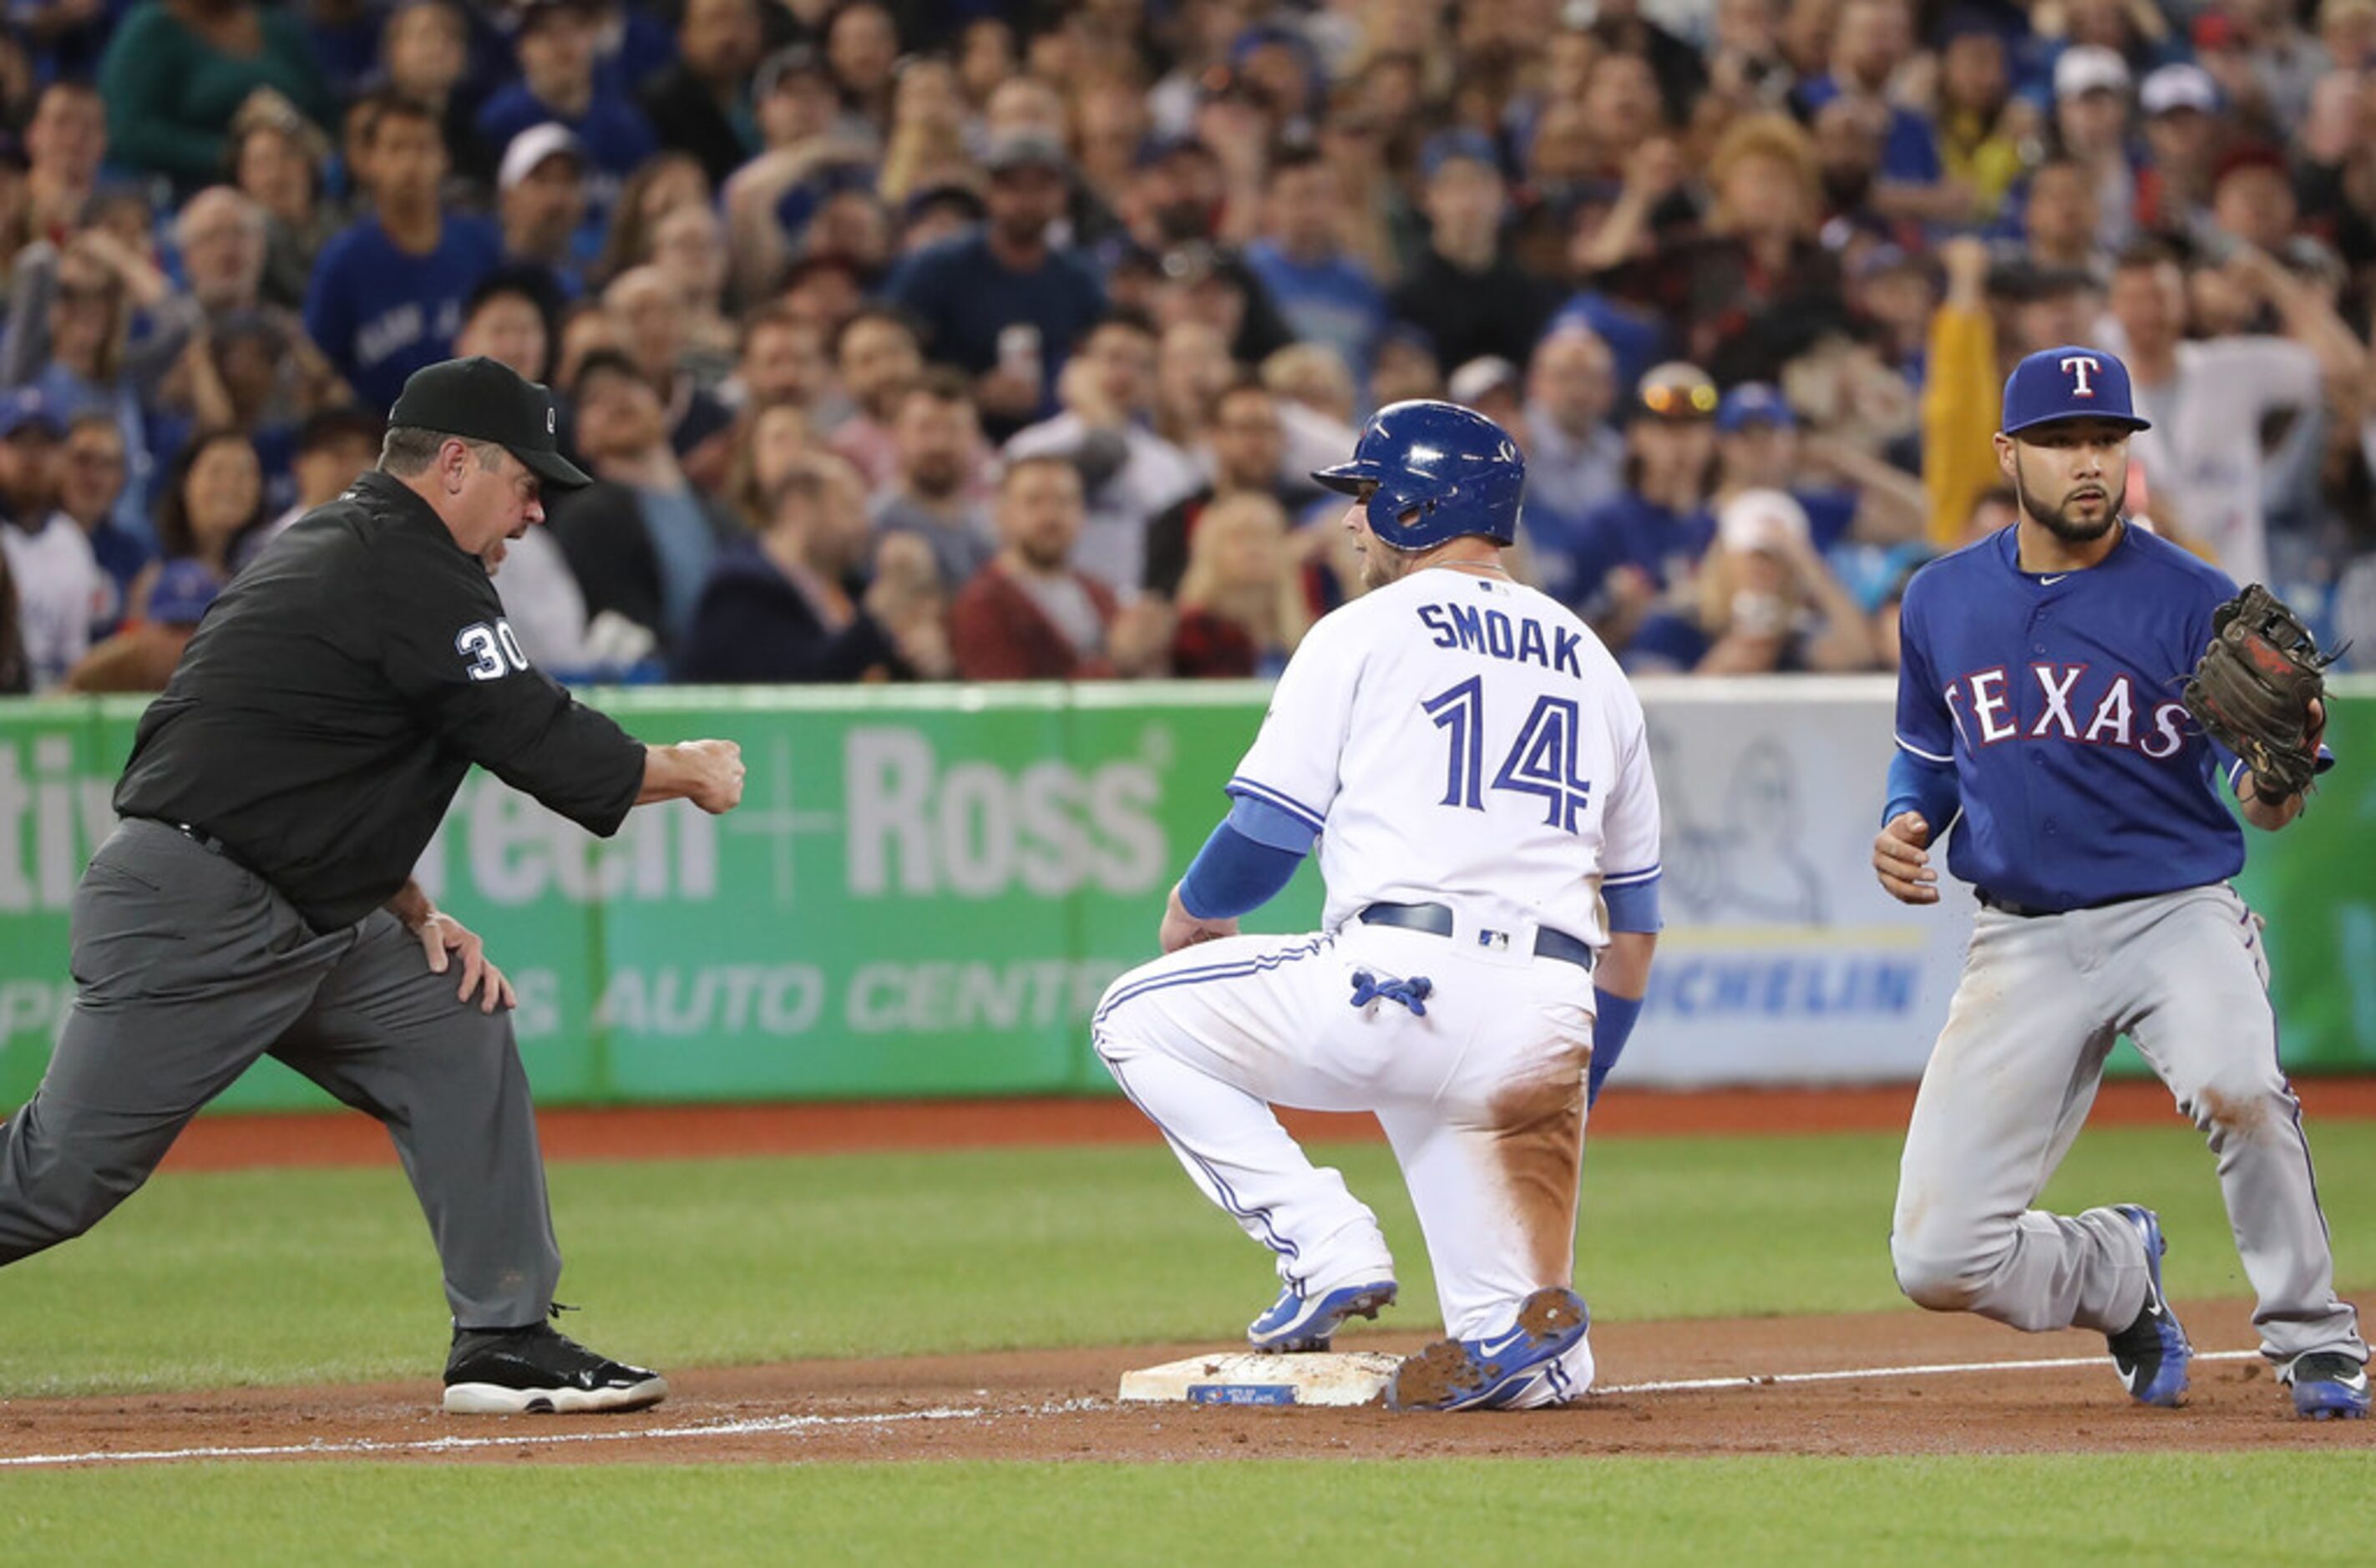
2038 716
1473 766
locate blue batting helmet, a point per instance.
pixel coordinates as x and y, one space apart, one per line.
1442 471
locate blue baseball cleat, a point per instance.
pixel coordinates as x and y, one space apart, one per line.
1307 1323
2151 1354
1498 1373
2328 1385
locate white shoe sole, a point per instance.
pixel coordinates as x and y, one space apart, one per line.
493 1399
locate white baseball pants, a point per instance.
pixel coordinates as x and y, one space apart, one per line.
1481 1097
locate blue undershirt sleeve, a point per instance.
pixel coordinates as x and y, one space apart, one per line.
1233 873
1633 906
1918 784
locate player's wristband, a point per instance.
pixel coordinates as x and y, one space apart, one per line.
1612 1021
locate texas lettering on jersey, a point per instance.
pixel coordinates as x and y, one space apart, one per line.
2066 702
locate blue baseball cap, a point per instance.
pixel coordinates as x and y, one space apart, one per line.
1462 142
26 409
1753 402
2070 382
180 595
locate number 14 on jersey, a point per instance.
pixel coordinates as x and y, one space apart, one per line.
1540 762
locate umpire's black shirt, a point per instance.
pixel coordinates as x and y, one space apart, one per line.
324 715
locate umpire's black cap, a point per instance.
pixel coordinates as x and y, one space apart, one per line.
482 399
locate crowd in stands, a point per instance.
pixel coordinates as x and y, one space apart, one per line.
952 339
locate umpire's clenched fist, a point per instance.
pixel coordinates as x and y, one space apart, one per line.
708 773
1900 859
716 769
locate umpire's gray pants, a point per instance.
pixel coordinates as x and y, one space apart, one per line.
187 968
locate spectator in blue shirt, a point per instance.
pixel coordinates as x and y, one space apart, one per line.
1635 555
1325 294
1849 498
1870 41
91 474
344 35
387 296
71 336
556 57
1004 303
1575 458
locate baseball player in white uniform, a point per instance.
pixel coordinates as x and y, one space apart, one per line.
1472 765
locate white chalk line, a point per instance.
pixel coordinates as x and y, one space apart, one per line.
763 1425
1860 1374
328 1447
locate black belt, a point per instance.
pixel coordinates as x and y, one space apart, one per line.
205 840
2032 911
1436 920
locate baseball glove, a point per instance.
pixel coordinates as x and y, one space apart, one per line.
2254 689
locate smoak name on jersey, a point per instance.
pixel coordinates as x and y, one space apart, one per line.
1498 635
2056 698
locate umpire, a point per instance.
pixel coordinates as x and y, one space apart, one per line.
257 896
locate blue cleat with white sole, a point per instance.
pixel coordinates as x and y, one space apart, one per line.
2328 1386
1297 1323
2152 1353
1501 1372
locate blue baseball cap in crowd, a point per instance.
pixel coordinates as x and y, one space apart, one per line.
24 410
1753 402
2070 382
1463 143
180 595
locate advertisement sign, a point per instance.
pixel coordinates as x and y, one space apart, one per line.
1783 961
927 889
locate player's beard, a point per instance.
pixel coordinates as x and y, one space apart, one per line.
1381 564
2060 520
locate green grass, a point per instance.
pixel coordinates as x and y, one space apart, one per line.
285 1277
2289 1508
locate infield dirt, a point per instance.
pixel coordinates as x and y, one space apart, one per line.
1042 1404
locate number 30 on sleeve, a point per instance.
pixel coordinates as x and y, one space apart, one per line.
494 651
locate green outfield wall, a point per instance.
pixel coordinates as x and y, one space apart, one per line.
927 889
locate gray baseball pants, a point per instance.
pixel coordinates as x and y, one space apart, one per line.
2041 1002
187 968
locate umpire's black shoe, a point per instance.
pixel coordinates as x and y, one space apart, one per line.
540 1370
